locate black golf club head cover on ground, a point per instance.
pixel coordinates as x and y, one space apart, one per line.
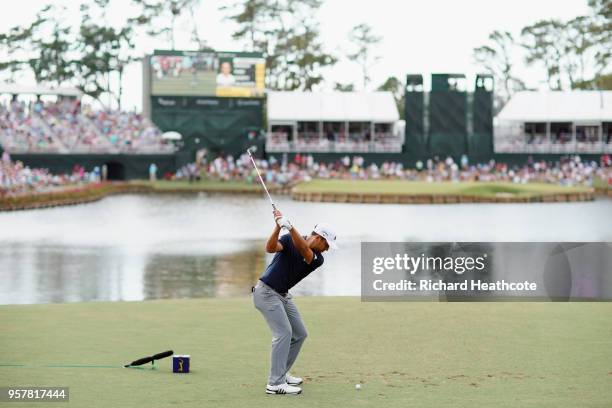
164 354
146 360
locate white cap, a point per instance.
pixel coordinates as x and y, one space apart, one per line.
326 231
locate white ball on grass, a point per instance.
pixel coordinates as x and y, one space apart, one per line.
357 386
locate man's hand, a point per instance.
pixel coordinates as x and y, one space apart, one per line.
277 214
273 245
284 222
281 221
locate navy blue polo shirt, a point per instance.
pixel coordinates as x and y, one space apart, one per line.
288 267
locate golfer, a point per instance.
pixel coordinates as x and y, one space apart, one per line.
295 258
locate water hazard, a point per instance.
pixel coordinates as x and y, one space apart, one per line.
137 247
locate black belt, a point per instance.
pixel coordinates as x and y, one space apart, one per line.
261 284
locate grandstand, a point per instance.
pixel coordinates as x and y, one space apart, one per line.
555 122
60 124
339 122
51 128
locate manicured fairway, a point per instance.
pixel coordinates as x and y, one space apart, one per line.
421 187
208 185
602 184
404 354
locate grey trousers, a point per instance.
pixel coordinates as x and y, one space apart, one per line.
288 331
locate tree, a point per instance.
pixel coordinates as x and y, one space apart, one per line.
101 55
496 58
575 52
303 71
86 57
396 87
287 33
104 50
600 82
578 46
195 33
250 16
49 45
155 15
364 39
340 87
542 45
601 31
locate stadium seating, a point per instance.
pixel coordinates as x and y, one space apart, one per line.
66 127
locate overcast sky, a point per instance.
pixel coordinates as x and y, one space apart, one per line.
428 36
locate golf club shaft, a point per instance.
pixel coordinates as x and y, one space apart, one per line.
260 179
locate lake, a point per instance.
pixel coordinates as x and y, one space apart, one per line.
137 247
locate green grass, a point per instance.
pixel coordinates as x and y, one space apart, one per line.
89 192
404 354
437 188
208 185
601 183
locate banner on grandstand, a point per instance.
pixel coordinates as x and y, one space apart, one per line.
160 103
199 73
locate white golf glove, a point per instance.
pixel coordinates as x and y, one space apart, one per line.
284 222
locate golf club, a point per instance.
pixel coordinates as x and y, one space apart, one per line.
260 179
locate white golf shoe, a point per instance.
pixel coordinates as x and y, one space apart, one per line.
291 380
282 389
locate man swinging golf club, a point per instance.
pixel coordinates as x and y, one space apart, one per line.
295 258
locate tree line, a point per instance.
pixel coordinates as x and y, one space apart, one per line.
573 54
93 54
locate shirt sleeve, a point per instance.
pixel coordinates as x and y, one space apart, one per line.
285 240
317 260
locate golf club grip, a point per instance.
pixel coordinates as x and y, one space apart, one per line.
141 361
164 354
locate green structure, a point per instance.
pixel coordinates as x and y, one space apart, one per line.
415 142
480 138
449 121
221 125
214 99
120 166
447 134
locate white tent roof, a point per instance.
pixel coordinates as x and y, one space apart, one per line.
332 106
558 106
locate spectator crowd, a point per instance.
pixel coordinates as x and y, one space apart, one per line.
64 126
571 170
17 178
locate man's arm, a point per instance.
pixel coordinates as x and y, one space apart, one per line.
272 245
301 245
298 241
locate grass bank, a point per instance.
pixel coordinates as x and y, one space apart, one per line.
438 192
422 187
79 194
404 354
380 191
203 185
602 186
